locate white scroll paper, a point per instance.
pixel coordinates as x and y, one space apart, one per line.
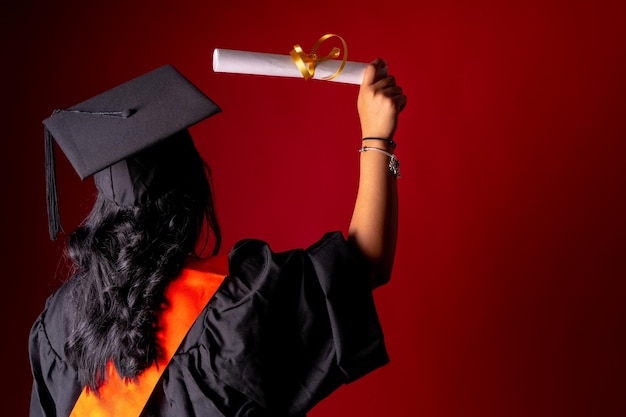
257 63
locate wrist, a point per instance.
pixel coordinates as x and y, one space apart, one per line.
393 165
388 145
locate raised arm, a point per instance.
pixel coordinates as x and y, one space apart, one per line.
374 224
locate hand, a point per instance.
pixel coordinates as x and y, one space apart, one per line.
380 101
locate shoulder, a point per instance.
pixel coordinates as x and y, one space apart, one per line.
260 279
53 324
252 246
255 254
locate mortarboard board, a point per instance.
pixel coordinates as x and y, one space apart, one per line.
128 120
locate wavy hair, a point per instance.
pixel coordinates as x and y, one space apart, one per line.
124 258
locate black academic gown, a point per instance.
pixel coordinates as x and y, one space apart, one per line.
281 333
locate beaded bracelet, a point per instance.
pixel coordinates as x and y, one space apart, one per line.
389 141
394 164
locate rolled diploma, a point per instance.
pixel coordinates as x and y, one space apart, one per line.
257 63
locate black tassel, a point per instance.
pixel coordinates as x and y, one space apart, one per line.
54 221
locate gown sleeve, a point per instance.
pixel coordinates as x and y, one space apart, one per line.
288 328
55 388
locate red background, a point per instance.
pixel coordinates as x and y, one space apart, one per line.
508 291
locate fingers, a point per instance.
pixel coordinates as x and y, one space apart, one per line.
374 71
387 81
400 102
377 78
387 86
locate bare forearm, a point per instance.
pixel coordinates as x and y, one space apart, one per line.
374 224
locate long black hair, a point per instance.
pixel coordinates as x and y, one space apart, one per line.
124 258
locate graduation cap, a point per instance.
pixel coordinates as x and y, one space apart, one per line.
127 137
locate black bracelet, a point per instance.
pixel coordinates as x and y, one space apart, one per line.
389 141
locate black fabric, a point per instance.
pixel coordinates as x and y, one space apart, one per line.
128 119
173 163
282 332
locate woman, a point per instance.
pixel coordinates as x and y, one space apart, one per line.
280 332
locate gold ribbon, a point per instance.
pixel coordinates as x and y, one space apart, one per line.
307 62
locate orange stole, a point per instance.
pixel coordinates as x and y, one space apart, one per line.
187 295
